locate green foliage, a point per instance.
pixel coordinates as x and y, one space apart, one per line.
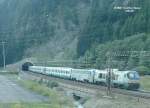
29 24
35 23
52 84
143 70
40 81
106 24
99 52
56 100
144 81
30 105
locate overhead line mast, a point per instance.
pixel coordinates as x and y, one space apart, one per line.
4 54
109 74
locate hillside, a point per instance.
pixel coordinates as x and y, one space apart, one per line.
42 25
73 30
130 53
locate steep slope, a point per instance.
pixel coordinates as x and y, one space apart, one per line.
32 24
129 53
106 23
67 29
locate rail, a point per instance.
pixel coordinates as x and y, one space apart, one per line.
139 94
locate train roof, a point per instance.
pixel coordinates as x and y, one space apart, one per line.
59 67
96 70
53 67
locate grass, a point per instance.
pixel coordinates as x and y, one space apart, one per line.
117 103
145 82
8 73
29 105
56 100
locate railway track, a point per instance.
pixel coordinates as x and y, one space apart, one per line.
91 88
144 91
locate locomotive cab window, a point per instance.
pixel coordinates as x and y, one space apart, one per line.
133 75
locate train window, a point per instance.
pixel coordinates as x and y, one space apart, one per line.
100 75
115 77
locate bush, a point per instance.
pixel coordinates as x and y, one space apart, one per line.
40 81
55 98
143 70
52 84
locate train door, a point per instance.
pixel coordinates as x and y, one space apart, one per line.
91 76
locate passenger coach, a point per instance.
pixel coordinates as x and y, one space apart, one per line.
121 79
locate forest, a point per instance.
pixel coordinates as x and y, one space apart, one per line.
80 30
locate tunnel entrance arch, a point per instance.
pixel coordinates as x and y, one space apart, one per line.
25 66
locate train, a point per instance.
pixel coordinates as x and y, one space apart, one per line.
121 79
